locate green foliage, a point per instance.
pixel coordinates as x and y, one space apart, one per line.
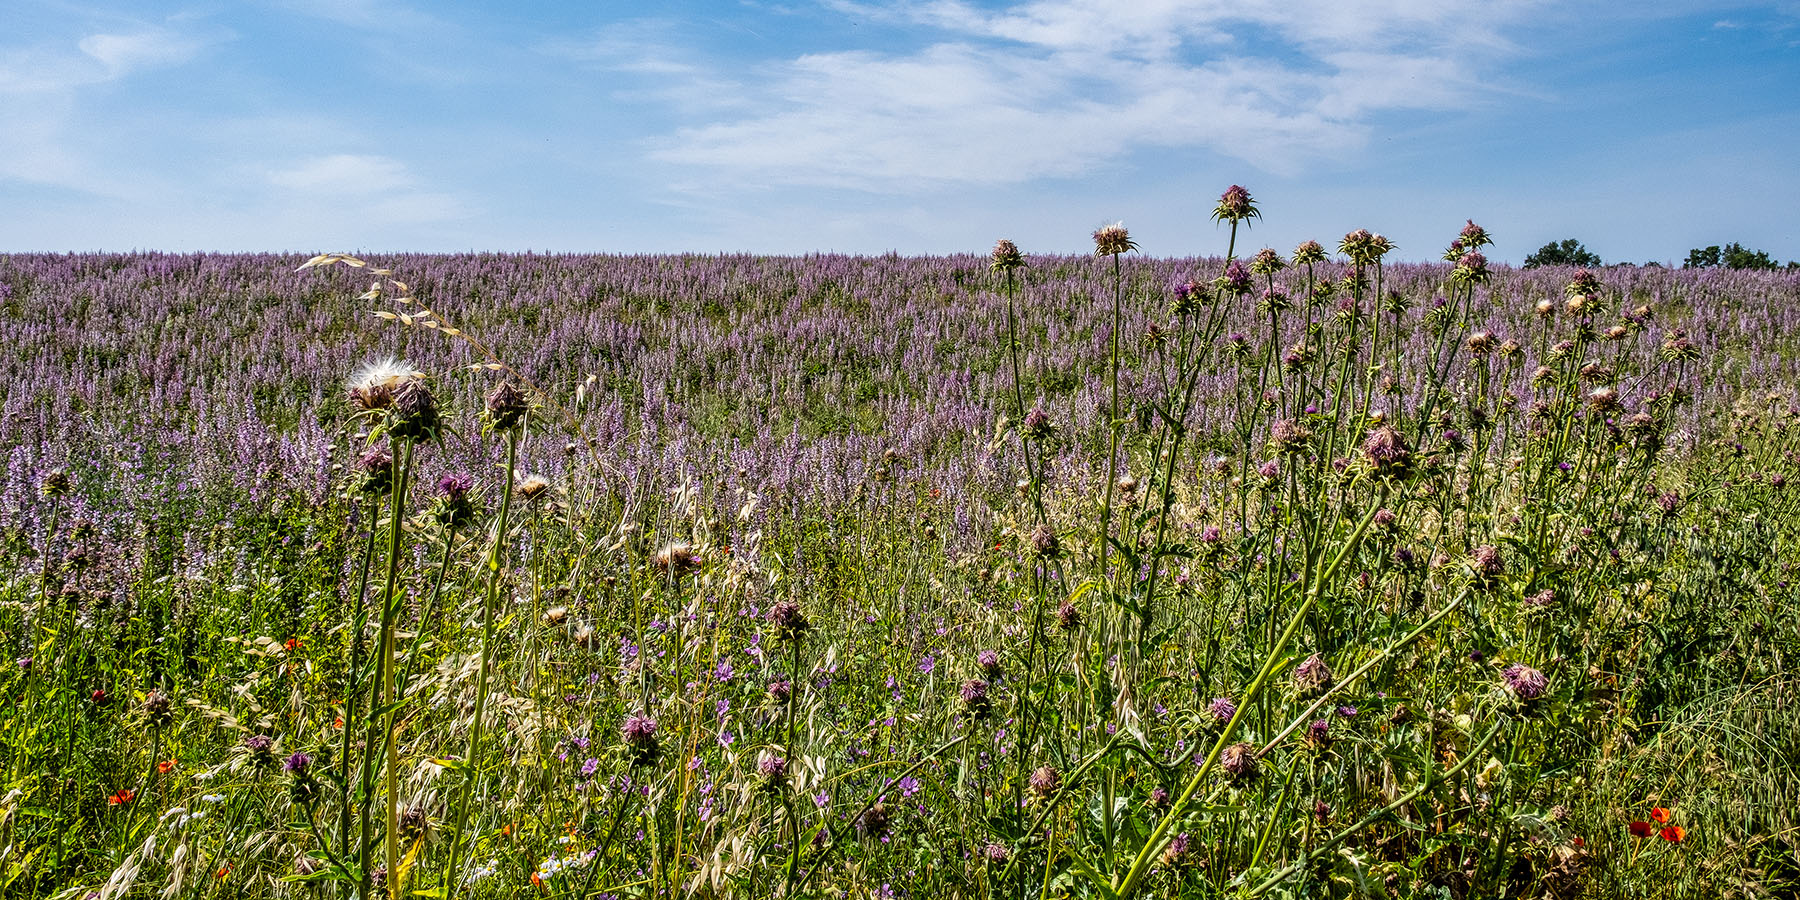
1731 256
1568 253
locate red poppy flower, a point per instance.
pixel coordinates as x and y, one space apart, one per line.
292 644
165 767
1660 814
1674 834
1579 842
121 797
1642 829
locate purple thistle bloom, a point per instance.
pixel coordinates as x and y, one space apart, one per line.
296 764
1222 709
1525 682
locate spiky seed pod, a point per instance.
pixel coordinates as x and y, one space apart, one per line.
414 415
1007 256
1112 240
1267 262
1308 252
506 407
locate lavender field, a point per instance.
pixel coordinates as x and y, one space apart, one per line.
1294 574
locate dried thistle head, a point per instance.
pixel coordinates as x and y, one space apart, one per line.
1112 240
1308 252
375 383
1524 682
413 416
532 487
1313 677
1239 761
789 621
506 407
676 559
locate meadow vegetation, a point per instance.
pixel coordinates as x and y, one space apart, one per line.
1283 574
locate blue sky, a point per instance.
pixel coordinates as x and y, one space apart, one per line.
1642 129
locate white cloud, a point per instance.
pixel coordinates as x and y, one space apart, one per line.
344 174
122 54
1054 87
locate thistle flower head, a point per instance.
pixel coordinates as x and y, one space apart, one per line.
1583 284
1068 616
1318 734
639 734
1179 853
1007 256
1474 236
875 822
1288 436
1364 247
1487 562
1235 205
1222 709
1267 262
1313 676
975 698
1044 541
1112 240
1045 780
1037 424
1308 252
676 559
1386 452
532 487
1235 280
297 764
1239 761
989 661
997 853
54 484
375 383
157 707
773 770
788 620
1524 682
506 406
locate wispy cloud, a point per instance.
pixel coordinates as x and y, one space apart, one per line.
99 57
1055 87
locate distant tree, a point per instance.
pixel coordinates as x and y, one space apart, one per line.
1567 253
1731 256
